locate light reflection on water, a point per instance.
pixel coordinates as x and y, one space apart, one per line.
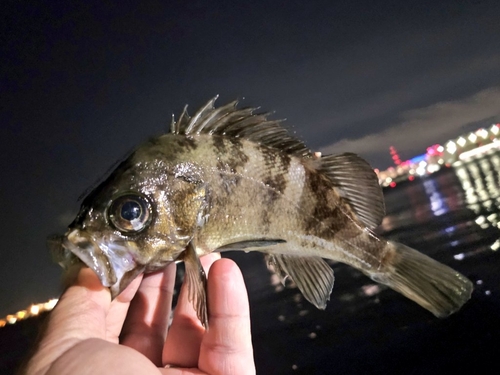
480 179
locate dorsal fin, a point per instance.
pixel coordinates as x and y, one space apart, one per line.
239 123
357 183
178 127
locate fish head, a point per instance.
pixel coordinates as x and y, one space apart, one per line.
138 220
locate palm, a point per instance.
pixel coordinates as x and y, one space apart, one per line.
129 335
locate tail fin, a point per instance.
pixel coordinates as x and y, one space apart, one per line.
432 285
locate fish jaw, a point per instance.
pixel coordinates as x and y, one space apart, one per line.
110 258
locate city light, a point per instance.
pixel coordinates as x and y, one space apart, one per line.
32 311
496 245
454 153
420 171
483 133
451 147
479 150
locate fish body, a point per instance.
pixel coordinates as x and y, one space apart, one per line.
230 179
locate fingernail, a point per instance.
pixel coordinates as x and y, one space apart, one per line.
171 366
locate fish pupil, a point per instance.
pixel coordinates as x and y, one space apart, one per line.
131 210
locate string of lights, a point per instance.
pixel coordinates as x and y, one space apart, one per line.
32 311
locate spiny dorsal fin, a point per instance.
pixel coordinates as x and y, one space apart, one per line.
178 127
239 123
357 183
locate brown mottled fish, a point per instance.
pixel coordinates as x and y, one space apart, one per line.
230 179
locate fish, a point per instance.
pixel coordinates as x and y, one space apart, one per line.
230 178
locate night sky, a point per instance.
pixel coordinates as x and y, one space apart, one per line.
82 84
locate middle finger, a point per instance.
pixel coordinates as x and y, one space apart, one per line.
182 347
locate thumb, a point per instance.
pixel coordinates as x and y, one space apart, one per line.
80 314
82 309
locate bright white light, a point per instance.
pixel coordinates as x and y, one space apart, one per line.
496 245
459 256
472 137
50 305
480 220
494 129
492 217
483 133
479 150
433 168
461 142
420 171
440 149
34 309
423 163
451 147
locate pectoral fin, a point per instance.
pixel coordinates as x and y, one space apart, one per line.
196 282
242 245
313 276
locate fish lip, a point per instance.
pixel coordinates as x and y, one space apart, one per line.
81 245
109 256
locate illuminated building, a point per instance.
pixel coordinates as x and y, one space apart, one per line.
454 152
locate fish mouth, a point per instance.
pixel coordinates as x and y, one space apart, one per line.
110 258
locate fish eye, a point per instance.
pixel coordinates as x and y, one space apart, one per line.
130 213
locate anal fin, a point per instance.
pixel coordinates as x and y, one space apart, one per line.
196 281
312 275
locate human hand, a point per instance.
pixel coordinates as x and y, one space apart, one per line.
87 333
